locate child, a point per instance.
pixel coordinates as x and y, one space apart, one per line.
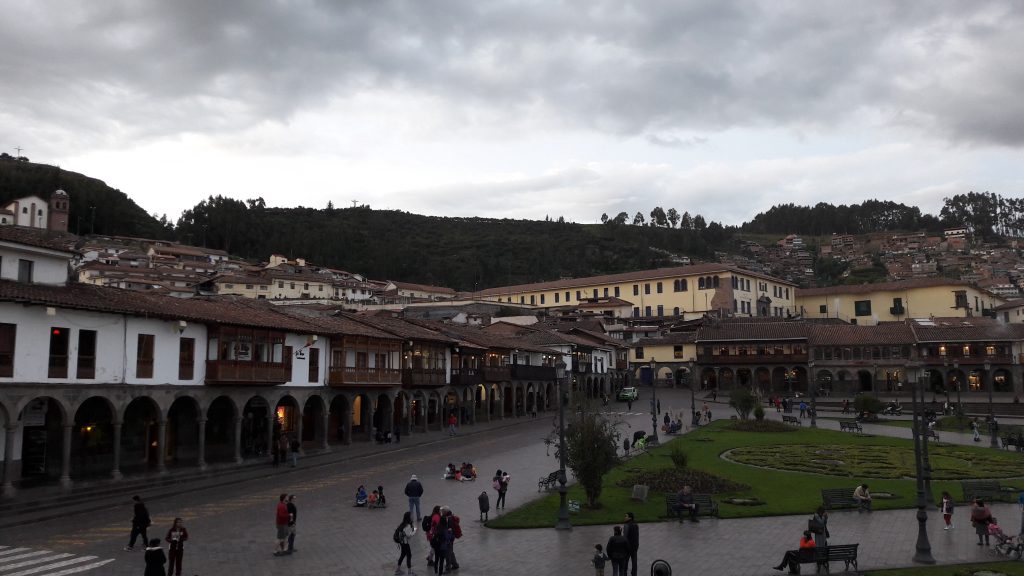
947 510
599 559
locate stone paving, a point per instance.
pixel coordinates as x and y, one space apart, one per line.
232 528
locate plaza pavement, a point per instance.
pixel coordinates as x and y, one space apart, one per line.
232 525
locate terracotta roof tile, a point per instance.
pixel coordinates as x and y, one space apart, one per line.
39 238
754 331
891 333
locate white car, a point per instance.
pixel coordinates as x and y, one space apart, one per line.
628 393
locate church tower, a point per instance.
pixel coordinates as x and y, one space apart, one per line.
58 217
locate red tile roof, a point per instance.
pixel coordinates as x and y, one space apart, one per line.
886 333
39 238
754 331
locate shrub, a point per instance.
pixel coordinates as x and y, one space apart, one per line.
679 458
743 402
759 413
671 480
864 403
953 423
761 426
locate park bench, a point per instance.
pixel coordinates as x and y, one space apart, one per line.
987 490
705 505
791 420
846 553
850 426
547 482
832 498
1011 442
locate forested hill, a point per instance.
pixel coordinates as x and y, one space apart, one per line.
115 212
462 253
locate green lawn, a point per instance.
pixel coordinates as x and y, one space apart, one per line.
783 491
1008 568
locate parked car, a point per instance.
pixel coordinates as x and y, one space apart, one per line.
628 393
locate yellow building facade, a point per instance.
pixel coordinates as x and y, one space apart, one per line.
869 304
685 291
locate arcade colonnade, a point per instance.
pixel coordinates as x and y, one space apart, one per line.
69 433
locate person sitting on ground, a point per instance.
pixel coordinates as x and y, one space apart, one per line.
793 557
373 500
361 497
449 471
686 503
467 471
863 497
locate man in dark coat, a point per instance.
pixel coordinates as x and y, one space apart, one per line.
633 537
414 490
617 550
140 522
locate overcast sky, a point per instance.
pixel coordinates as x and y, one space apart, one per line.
521 109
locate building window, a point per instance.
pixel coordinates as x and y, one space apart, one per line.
638 353
636 289
677 351
305 286
700 283
960 299
647 288
541 298
636 311
144 356
567 295
787 293
533 299
595 293
522 299
862 308
661 310
86 367
647 311
556 297
823 309
25 271
186 358
578 298
606 292
7 339
314 364
616 291
248 286
58 366
659 288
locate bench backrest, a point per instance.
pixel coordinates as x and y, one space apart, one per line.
837 552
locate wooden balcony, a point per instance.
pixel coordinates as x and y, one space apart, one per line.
713 359
233 372
423 377
622 365
351 376
497 373
525 372
581 367
973 361
466 377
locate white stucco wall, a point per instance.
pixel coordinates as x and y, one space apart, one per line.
300 367
50 267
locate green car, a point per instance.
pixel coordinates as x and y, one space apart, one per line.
628 393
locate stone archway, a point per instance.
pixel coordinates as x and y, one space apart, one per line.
865 381
382 417
726 379
222 436
708 379
93 439
531 399
183 432
314 422
495 407
1002 380
450 405
143 436
433 411
362 418
340 421
256 427
480 403
400 418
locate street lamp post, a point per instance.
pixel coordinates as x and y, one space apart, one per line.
563 506
989 383
923 553
956 379
693 404
654 401
813 383
926 465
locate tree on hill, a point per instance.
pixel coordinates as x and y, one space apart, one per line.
638 220
673 217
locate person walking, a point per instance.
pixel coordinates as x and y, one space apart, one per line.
452 521
803 409
452 422
947 507
974 429
403 537
617 549
140 522
818 526
485 505
414 491
155 558
176 537
981 517
293 516
281 525
632 530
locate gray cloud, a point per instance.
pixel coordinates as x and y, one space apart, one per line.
85 74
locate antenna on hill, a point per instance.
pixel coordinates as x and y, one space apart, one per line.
19 149
355 203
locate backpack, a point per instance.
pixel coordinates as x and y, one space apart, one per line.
426 524
497 484
399 537
456 529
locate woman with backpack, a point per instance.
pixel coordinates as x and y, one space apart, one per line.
500 485
403 537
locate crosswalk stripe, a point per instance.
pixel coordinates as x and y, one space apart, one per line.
13 551
22 556
77 569
39 569
35 561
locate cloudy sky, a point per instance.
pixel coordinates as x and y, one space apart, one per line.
521 109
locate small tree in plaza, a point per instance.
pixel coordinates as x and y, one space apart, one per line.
743 402
591 443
